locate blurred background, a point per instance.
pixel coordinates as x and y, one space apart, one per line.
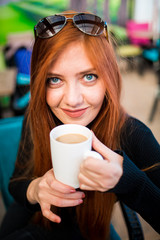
133 24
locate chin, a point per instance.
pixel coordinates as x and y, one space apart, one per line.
76 121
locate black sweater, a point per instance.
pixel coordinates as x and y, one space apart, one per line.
137 189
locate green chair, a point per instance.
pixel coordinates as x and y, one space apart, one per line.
10 132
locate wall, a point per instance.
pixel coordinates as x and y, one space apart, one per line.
148 11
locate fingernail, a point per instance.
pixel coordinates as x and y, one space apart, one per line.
80 201
73 190
83 195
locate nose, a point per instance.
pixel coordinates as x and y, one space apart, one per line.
73 95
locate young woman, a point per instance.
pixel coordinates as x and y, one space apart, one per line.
75 79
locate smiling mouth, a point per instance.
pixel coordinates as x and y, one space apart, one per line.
75 113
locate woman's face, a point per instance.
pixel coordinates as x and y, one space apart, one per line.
75 92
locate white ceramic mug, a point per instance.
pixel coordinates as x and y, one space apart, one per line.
67 157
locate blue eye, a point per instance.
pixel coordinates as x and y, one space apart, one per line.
53 80
90 77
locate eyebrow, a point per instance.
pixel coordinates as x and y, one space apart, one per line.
90 70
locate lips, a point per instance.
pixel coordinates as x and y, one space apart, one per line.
75 113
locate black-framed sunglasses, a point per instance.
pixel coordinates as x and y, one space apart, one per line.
87 23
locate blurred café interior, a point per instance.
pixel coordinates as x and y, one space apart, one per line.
133 24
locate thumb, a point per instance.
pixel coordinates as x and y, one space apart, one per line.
99 147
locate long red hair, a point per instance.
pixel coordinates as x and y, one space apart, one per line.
94 214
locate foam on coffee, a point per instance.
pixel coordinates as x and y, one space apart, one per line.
71 138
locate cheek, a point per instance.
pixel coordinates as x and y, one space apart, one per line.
52 98
96 97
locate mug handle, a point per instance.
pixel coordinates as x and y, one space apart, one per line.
93 154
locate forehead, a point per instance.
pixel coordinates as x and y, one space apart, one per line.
73 57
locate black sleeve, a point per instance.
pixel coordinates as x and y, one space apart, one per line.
139 189
21 178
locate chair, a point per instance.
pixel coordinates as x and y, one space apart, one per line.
133 224
153 55
20 59
10 132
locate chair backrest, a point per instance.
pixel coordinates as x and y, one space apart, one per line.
133 29
10 132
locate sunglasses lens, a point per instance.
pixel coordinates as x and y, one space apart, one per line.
49 26
89 23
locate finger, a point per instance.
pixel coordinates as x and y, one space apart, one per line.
93 167
84 180
47 195
76 195
106 152
49 214
93 185
56 185
101 148
61 202
87 188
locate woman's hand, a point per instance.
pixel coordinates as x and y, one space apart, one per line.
47 191
101 175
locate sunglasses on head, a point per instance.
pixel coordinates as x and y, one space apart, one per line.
87 23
